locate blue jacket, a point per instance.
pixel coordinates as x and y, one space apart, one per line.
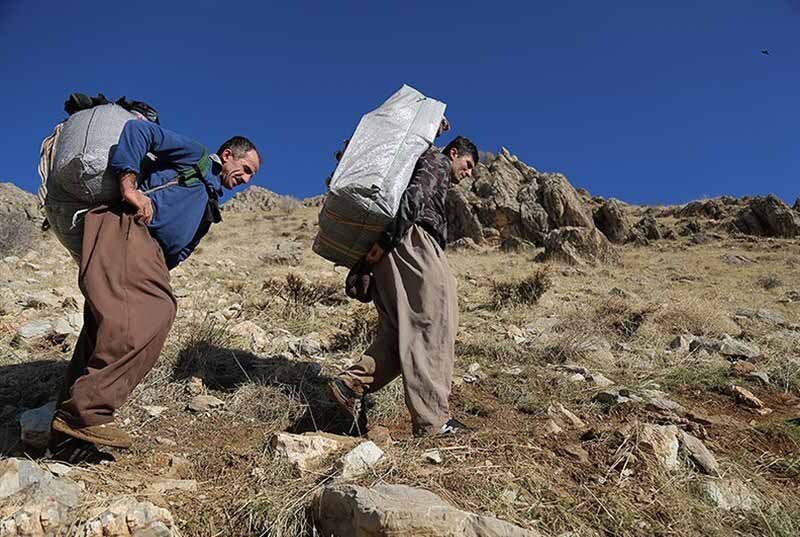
178 223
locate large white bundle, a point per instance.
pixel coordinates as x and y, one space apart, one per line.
373 173
82 151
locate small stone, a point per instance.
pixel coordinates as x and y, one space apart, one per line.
205 403
256 336
433 456
195 386
161 486
58 469
599 380
564 417
305 451
759 376
308 345
62 327
742 368
179 467
154 411
576 378
700 454
574 452
166 441
551 427
730 495
610 398
734 348
745 397
35 329
35 425
662 442
360 460
680 343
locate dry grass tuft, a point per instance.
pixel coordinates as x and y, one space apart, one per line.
770 281
525 291
618 316
357 332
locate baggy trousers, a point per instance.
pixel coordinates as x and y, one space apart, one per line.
415 295
128 313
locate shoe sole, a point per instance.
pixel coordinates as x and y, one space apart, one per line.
62 427
336 396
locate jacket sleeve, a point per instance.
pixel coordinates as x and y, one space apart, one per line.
423 183
140 137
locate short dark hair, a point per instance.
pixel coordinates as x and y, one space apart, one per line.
463 146
239 145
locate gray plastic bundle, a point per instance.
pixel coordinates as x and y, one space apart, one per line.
81 154
79 177
373 173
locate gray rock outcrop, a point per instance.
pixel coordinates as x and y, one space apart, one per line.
768 216
610 219
579 246
514 199
389 510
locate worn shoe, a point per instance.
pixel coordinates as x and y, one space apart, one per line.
345 398
453 426
74 451
106 434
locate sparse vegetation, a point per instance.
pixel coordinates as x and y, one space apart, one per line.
522 331
525 291
769 281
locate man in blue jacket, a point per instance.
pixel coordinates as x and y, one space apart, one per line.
168 205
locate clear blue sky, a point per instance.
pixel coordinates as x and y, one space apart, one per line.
647 104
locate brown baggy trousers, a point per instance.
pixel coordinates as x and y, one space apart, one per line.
415 295
128 312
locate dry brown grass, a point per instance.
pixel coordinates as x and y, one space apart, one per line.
511 467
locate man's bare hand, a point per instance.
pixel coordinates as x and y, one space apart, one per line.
137 200
375 254
142 204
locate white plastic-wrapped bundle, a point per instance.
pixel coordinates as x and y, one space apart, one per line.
373 173
82 151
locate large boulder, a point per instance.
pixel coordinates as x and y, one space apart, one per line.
561 201
768 216
390 510
610 219
644 231
714 209
514 199
462 222
579 246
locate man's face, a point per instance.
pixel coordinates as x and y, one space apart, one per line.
237 171
462 165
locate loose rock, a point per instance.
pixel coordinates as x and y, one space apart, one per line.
393 510
360 460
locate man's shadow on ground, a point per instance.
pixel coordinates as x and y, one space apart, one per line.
228 369
23 386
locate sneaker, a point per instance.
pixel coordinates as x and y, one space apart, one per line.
345 398
453 426
106 434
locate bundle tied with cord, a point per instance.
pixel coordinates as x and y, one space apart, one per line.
374 171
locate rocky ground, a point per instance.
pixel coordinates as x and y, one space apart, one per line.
627 371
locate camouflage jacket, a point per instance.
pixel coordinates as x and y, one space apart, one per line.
423 202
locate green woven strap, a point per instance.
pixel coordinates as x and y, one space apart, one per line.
197 173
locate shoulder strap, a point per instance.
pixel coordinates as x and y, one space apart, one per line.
196 173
